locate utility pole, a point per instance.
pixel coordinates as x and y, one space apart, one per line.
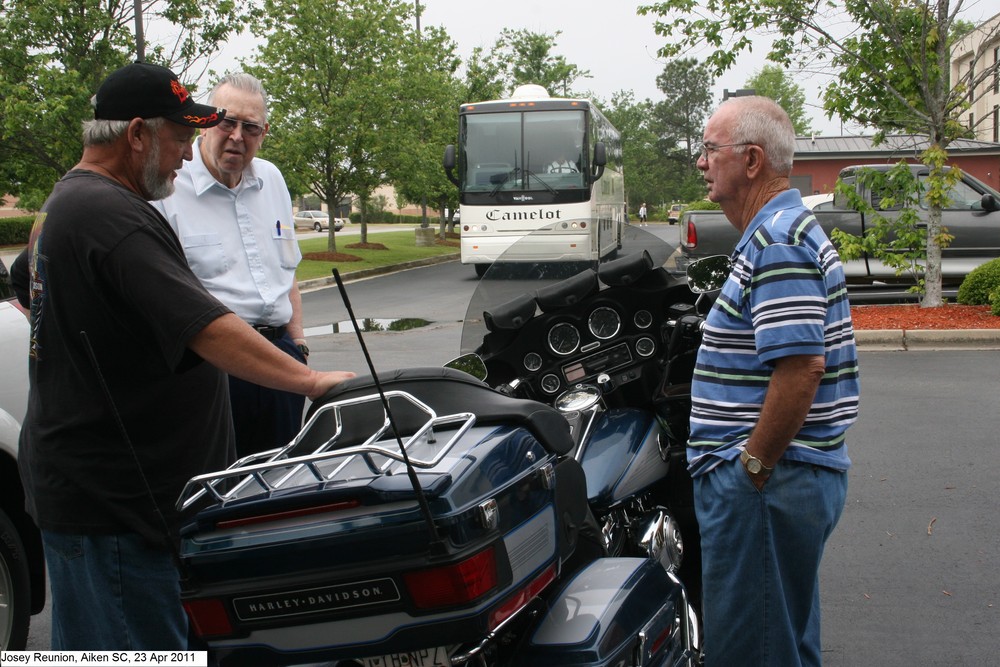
140 39
424 224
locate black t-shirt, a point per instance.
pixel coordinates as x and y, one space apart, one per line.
103 261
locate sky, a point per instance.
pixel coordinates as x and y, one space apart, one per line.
606 37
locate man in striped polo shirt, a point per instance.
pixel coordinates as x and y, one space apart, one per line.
774 390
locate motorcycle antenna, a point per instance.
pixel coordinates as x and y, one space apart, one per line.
411 472
120 423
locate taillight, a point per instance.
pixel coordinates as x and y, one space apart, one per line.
208 617
514 603
455 584
691 239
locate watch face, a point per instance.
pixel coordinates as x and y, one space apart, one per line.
753 465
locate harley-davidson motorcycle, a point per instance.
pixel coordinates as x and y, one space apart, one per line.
528 505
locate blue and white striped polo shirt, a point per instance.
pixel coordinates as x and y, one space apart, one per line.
785 296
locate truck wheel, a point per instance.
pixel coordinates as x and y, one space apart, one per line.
15 589
481 269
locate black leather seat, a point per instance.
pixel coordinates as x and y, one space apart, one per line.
446 391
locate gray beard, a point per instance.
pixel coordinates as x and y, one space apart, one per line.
156 187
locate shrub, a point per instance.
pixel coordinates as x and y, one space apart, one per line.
995 301
16 230
978 286
702 205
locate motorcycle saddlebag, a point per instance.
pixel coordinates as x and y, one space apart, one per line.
616 611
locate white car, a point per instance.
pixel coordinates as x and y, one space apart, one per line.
317 221
22 567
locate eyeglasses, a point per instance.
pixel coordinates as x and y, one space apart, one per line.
250 129
708 149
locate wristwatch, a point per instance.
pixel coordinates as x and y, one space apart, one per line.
303 348
753 464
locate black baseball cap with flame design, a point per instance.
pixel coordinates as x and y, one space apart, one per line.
143 90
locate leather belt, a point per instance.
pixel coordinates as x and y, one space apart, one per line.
269 332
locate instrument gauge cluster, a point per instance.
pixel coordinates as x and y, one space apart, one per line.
610 336
564 339
604 323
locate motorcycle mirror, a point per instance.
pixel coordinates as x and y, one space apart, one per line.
471 364
708 274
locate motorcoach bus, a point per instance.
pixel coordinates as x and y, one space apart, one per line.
535 161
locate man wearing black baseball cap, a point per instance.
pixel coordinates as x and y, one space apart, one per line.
122 329
142 90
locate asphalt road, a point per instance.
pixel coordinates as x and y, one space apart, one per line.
912 573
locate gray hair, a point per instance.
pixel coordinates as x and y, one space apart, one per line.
761 121
241 81
99 132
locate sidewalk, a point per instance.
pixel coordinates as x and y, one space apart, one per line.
885 340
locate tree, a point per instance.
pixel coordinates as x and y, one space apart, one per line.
527 58
680 119
655 172
340 98
894 60
433 96
54 55
773 81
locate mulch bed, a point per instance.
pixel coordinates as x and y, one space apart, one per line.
912 317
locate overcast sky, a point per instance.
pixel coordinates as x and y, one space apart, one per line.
606 37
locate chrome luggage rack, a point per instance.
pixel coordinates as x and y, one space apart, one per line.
252 468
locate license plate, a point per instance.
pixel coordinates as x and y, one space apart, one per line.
426 657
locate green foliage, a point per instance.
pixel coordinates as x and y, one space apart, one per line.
15 230
892 59
891 211
981 286
702 205
773 81
995 302
55 53
658 139
530 59
349 101
679 120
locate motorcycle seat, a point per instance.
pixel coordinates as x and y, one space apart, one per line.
447 391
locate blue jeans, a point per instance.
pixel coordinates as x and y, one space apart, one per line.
761 552
113 593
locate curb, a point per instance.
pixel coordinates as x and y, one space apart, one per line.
317 283
928 339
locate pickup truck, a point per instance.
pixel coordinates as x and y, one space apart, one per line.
972 218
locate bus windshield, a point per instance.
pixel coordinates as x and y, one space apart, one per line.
538 150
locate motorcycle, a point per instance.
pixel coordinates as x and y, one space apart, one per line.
538 514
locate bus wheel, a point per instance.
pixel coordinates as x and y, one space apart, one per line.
481 269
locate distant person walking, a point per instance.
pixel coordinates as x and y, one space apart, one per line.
642 215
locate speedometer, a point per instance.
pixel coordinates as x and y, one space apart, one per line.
604 322
564 338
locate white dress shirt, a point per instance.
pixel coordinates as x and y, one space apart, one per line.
240 241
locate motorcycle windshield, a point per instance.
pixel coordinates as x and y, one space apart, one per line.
519 283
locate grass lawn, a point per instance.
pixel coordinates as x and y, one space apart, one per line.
382 249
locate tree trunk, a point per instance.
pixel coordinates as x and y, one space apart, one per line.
932 269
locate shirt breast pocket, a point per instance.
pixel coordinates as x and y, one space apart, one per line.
287 248
205 255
